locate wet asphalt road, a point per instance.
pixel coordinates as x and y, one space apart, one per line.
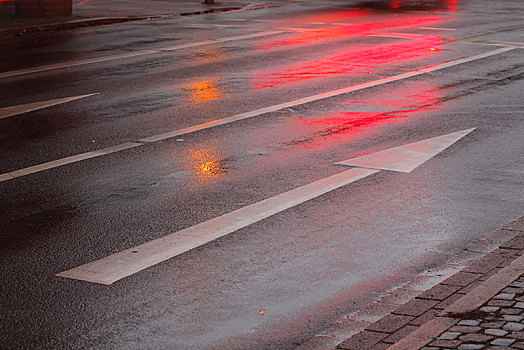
306 267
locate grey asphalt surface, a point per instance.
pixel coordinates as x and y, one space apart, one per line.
307 266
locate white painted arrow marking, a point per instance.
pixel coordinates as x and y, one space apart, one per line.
7 112
117 266
408 157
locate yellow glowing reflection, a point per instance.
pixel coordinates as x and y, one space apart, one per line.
205 163
204 91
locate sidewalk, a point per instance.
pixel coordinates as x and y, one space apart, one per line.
480 307
100 12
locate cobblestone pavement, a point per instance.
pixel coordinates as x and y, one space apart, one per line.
490 293
498 324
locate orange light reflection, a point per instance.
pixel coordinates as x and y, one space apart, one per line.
204 91
205 163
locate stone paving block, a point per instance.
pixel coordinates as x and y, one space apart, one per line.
470 346
439 292
488 274
496 332
517 284
425 317
501 303
484 266
390 323
461 279
514 290
507 311
498 347
449 335
415 307
513 318
469 323
490 309
505 296
469 287
475 338
503 342
448 301
517 335
492 324
401 333
517 225
519 345
380 346
441 343
514 243
465 329
513 326
520 305
362 340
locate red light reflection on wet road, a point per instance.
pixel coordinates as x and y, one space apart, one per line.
356 61
355 119
348 31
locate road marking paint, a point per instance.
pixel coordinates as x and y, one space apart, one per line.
130 261
74 63
117 266
494 43
258 112
408 157
11 111
437 28
221 40
67 160
130 54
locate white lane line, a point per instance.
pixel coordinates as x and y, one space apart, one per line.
258 112
67 160
125 263
494 43
221 40
74 63
130 261
437 28
407 157
131 54
11 111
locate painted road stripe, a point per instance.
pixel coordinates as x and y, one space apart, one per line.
437 28
128 262
408 157
494 43
258 112
11 111
131 54
117 266
68 160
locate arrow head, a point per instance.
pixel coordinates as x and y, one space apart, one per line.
407 157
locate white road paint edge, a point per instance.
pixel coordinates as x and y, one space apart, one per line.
11 111
246 115
128 262
15 73
407 157
437 28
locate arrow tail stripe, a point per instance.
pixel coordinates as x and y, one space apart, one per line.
128 262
